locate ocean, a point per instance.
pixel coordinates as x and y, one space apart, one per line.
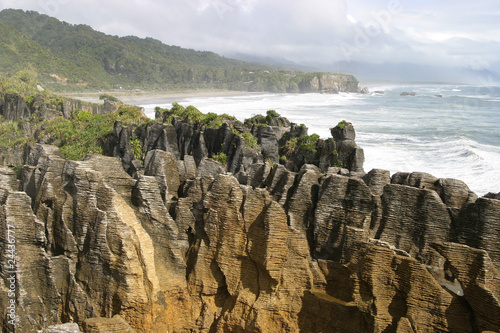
449 131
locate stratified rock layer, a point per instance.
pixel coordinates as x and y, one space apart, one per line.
184 246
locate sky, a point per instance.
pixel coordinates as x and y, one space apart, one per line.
456 36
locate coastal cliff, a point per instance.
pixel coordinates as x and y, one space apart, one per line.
332 84
188 225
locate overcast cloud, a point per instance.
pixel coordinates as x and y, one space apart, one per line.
461 34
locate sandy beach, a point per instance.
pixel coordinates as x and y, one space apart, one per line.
145 97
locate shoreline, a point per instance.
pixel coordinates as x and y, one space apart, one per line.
144 97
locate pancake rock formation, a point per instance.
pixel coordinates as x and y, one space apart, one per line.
180 242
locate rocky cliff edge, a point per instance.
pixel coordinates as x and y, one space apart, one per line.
179 242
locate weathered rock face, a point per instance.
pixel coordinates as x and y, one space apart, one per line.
331 84
279 182
98 242
110 325
412 219
249 259
14 107
345 131
381 291
12 156
376 180
163 166
479 279
477 225
184 246
343 215
349 153
268 142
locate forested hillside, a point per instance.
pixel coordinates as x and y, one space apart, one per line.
66 56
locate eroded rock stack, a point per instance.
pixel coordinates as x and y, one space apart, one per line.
179 244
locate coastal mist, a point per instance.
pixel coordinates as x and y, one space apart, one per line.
449 131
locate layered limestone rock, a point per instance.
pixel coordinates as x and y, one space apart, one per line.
302 197
13 107
297 149
479 280
343 215
249 260
282 141
98 241
183 245
163 166
351 155
412 219
381 291
25 267
477 226
279 182
108 325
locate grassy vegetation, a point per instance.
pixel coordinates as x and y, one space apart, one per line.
212 120
342 124
137 148
271 162
107 97
309 142
262 120
11 134
290 146
270 114
220 157
83 134
192 114
22 83
301 145
337 163
256 120
76 137
250 140
86 134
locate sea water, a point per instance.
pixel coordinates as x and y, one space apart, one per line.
449 131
